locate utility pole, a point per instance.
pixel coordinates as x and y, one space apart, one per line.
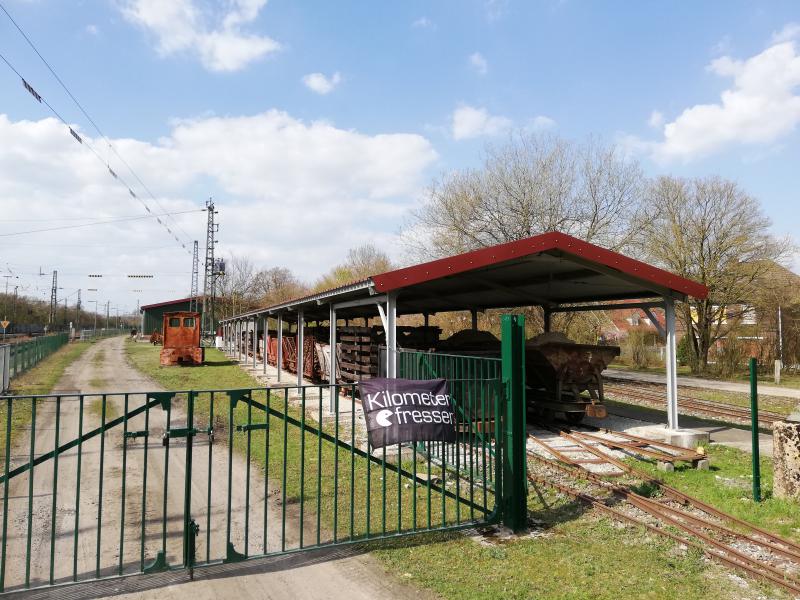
78 312
53 299
193 304
14 306
211 270
108 305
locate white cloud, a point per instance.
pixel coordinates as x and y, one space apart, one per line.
656 120
320 84
269 171
759 107
471 122
495 9
92 29
215 36
423 23
478 62
541 123
790 31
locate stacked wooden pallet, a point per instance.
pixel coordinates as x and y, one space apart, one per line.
359 350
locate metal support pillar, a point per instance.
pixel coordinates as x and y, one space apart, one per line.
672 365
300 358
264 351
514 481
255 341
426 318
332 342
546 316
391 335
474 314
280 346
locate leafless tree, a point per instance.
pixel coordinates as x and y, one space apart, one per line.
530 185
276 285
361 262
711 231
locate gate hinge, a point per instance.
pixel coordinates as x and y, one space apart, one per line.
136 434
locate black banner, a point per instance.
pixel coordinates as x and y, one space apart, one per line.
407 410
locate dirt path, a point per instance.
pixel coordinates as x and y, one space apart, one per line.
78 499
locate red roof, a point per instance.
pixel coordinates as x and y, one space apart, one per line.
168 303
546 242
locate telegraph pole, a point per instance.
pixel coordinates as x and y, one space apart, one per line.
78 312
53 299
108 304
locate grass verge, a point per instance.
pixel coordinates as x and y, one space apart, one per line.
576 555
40 379
728 486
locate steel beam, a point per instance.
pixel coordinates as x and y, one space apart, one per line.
301 325
332 366
280 346
255 341
672 364
264 351
391 335
608 306
377 299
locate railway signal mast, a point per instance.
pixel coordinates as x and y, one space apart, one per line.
213 270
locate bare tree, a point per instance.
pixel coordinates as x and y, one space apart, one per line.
711 231
531 185
236 291
361 262
276 285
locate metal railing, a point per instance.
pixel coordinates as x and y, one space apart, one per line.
109 485
92 334
22 356
467 377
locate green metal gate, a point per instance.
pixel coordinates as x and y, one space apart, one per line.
109 485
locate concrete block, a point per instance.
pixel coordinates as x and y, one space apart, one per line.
702 465
665 466
687 438
786 460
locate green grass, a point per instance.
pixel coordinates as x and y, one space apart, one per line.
98 382
575 555
40 379
788 380
578 556
727 485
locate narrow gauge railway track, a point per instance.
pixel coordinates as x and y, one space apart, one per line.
648 395
675 515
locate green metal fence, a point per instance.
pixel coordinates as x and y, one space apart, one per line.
25 355
109 485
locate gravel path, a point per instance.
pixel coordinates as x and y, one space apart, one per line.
103 368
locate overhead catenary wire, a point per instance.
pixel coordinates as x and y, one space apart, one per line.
105 222
90 119
97 155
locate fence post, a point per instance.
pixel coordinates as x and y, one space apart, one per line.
515 488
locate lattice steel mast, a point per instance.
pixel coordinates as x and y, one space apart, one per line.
193 303
53 300
209 285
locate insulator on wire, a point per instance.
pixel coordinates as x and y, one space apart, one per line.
33 92
75 135
130 191
114 175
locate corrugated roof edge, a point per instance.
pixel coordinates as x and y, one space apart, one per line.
349 287
435 269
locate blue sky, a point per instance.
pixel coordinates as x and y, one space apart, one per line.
226 98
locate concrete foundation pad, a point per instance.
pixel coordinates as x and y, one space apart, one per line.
686 438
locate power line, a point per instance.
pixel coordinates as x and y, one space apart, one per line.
90 119
85 143
106 222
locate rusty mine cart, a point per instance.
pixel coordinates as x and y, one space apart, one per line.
182 339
